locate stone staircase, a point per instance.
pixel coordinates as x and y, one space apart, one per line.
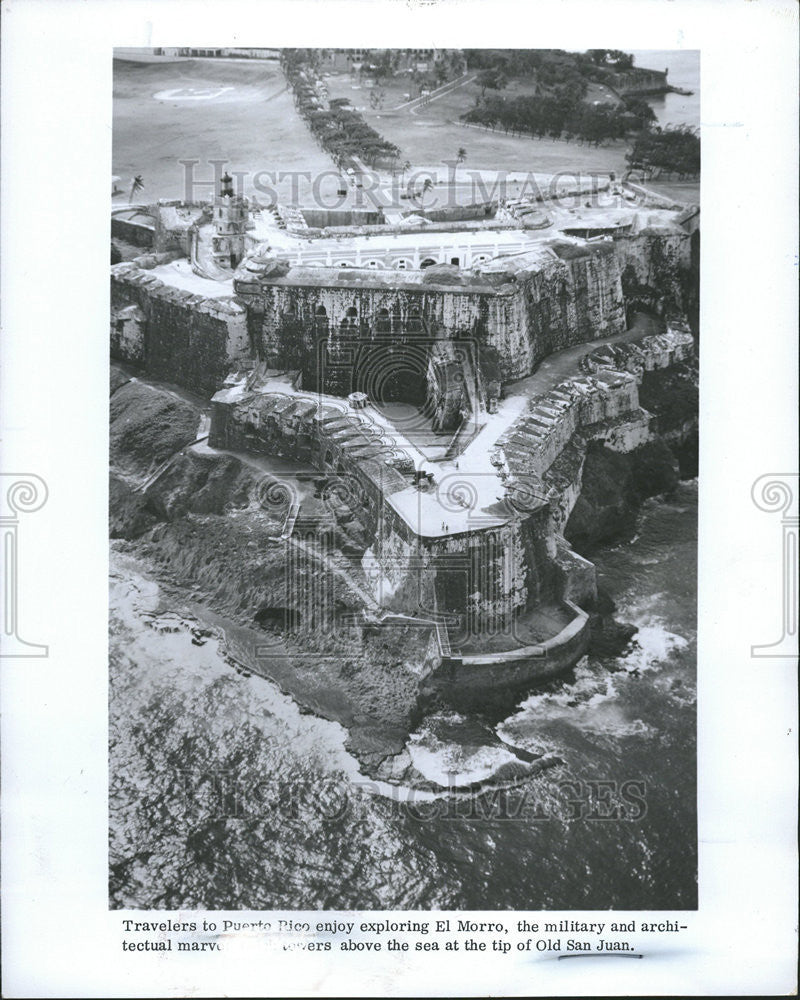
605 389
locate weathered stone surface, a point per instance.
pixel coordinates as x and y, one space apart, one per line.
180 338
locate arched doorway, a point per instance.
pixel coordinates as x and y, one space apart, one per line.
350 319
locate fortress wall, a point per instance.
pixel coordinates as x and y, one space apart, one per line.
466 680
185 339
608 395
297 427
483 572
451 311
322 218
127 335
137 233
290 332
508 333
584 401
398 566
491 572
485 576
576 296
566 302
607 408
655 266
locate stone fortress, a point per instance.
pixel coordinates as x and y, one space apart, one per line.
441 374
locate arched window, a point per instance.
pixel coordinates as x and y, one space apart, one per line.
321 319
383 323
414 320
428 262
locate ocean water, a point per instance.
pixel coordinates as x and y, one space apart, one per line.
615 824
224 795
684 72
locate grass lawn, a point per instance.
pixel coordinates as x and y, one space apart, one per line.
432 133
241 111
248 119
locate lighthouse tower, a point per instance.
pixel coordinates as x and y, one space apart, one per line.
230 223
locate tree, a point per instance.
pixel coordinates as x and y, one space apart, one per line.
420 192
137 185
675 150
619 60
597 56
640 110
494 79
453 164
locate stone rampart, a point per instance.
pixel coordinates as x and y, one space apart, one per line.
180 337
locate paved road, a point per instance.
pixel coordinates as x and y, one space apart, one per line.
563 364
417 102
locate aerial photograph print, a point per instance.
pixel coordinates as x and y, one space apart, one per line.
403 479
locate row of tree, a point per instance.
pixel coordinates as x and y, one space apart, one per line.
339 129
563 115
674 150
551 66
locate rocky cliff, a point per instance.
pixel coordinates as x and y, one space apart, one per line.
198 523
